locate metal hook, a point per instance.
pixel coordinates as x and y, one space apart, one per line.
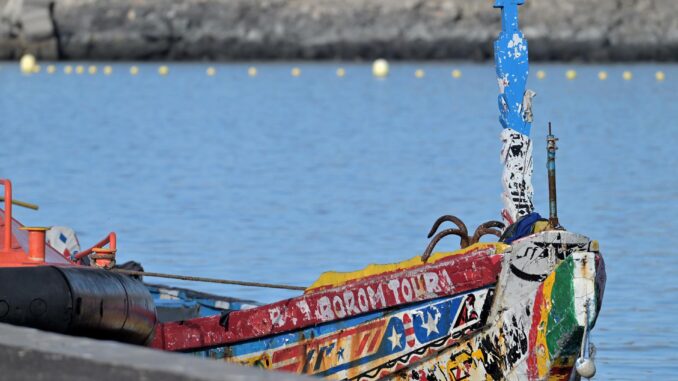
487 228
441 235
448 218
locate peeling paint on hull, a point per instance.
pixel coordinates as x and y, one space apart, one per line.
526 324
372 346
535 330
472 268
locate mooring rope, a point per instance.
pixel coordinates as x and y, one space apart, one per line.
208 280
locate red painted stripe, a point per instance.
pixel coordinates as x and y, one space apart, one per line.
285 354
292 368
375 340
300 349
476 269
409 330
532 369
363 342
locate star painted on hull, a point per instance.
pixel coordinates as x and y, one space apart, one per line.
394 339
431 324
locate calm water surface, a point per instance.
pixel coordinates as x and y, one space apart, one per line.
277 179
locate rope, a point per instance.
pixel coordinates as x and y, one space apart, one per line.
208 280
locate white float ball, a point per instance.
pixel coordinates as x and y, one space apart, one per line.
380 68
585 367
27 63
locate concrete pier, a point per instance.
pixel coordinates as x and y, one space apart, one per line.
32 355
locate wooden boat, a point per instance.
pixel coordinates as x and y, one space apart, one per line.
488 311
518 309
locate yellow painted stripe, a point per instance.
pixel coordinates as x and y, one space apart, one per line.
335 278
542 348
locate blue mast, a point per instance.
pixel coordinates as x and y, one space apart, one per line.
515 113
511 59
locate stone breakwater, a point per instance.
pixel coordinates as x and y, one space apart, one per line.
581 30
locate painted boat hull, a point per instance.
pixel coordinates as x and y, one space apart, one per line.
538 338
525 322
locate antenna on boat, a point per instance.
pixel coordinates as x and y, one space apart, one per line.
551 149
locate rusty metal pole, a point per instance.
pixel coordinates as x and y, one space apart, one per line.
551 166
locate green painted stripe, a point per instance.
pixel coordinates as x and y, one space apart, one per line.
563 336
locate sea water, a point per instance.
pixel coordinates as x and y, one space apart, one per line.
276 178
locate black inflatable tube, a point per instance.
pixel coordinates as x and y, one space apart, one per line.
78 301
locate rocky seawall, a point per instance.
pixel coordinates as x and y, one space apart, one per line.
579 30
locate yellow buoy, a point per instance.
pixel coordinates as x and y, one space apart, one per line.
296 72
602 75
51 69
36 68
541 74
252 71
134 70
627 76
108 70
163 70
419 73
341 72
68 69
660 76
571 74
456 73
380 68
211 71
92 70
79 69
27 63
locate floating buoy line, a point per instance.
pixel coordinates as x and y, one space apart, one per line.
381 68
